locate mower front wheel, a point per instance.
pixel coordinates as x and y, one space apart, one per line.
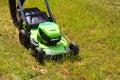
74 48
39 54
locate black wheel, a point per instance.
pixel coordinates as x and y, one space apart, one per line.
24 38
39 54
74 48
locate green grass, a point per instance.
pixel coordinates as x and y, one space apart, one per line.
93 24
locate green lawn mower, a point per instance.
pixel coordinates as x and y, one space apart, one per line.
39 32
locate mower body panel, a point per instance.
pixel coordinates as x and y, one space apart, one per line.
53 31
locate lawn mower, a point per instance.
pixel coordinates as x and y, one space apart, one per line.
39 32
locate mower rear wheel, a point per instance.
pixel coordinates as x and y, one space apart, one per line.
74 48
39 54
24 38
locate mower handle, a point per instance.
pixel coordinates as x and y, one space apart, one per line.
49 11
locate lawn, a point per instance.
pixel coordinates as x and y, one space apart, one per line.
93 24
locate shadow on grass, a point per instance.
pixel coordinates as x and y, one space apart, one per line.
60 59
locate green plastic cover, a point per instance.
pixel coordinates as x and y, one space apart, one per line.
51 29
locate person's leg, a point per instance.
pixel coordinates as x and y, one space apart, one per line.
12 7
